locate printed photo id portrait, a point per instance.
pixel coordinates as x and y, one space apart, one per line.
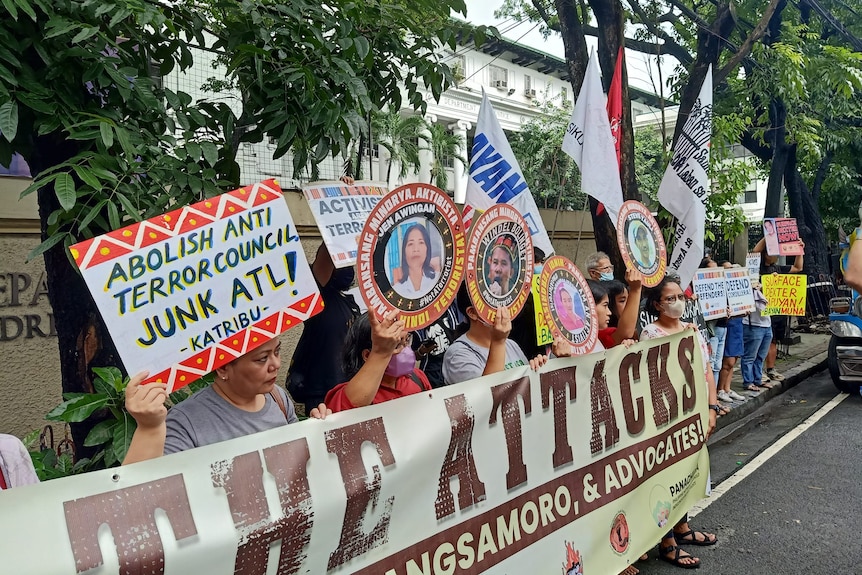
568 302
502 266
413 256
641 243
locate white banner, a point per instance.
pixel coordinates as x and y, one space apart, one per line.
496 178
710 289
740 297
340 211
685 185
518 472
590 142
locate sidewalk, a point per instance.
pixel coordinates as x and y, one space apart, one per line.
804 359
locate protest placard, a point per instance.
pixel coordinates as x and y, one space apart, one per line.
340 211
567 297
782 237
188 291
411 255
740 297
641 243
711 293
544 334
517 472
785 293
752 262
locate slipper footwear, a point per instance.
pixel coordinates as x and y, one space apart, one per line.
675 559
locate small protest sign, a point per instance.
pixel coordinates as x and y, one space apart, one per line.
710 290
544 335
752 262
411 254
692 314
782 237
499 262
641 243
740 297
569 303
785 293
340 211
189 291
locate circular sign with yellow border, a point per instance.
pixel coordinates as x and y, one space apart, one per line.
411 254
499 262
641 242
568 303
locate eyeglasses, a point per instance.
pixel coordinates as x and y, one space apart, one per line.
608 268
673 298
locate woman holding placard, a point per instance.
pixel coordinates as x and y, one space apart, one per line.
243 399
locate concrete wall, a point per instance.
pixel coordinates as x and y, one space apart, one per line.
30 380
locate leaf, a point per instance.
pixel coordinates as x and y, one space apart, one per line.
57 26
64 187
123 432
362 46
46 245
10 7
194 151
101 433
9 120
107 134
25 7
84 34
91 215
88 177
210 152
113 216
78 409
112 376
130 209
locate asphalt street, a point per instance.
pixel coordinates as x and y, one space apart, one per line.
801 510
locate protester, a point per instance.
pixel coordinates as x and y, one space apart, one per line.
769 265
668 300
625 305
243 399
380 363
757 335
16 467
717 329
316 364
733 350
853 268
431 343
524 325
418 275
485 348
599 267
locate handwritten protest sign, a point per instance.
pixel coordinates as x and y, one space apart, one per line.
782 237
786 294
188 291
517 472
544 335
641 243
411 255
567 297
752 262
340 211
740 297
711 293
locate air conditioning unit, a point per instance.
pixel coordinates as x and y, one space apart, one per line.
530 92
501 84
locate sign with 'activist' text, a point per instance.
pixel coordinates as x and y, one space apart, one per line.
188 291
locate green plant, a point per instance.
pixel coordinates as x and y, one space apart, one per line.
52 465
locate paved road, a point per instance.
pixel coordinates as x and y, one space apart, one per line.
801 511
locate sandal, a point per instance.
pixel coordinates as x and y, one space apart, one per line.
690 537
722 410
676 559
766 385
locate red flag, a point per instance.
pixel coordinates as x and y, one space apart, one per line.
615 103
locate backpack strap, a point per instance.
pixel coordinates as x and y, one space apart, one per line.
276 396
418 381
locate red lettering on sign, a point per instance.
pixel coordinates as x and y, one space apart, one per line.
459 462
553 387
633 409
602 409
506 402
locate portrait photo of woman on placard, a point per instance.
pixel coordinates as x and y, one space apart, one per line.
413 258
570 310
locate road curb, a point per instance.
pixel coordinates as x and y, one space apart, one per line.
792 377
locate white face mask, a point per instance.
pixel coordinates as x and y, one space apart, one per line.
674 310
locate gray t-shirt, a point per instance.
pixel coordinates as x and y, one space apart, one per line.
465 359
207 418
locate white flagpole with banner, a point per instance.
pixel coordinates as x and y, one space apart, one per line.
496 178
589 141
685 185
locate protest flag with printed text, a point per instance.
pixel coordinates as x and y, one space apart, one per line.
685 185
589 141
496 178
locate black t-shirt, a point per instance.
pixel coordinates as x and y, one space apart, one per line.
316 364
442 332
524 330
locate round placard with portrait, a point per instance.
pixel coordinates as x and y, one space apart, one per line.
411 254
641 242
569 303
499 262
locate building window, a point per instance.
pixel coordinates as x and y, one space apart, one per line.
458 65
564 97
749 197
499 76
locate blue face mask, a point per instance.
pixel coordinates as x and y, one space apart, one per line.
606 276
537 269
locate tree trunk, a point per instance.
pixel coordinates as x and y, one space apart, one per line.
807 214
82 336
777 136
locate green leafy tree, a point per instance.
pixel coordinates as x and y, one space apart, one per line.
400 136
445 147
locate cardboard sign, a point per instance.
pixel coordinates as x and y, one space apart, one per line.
711 294
740 297
189 291
569 302
786 294
782 237
499 262
340 211
411 255
752 262
545 484
544 334
641 243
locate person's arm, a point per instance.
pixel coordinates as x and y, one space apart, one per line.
712 399
386 335
499 334
627 324
146 404
759 247
853 271
799 262
322 267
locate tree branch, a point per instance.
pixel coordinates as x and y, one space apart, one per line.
670 46
545 16
651 48
745 49
834 23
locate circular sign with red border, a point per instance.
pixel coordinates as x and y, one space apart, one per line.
411 255
641 242
568 303
499 262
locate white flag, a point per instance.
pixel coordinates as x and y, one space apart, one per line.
496 178
589 141
685 185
